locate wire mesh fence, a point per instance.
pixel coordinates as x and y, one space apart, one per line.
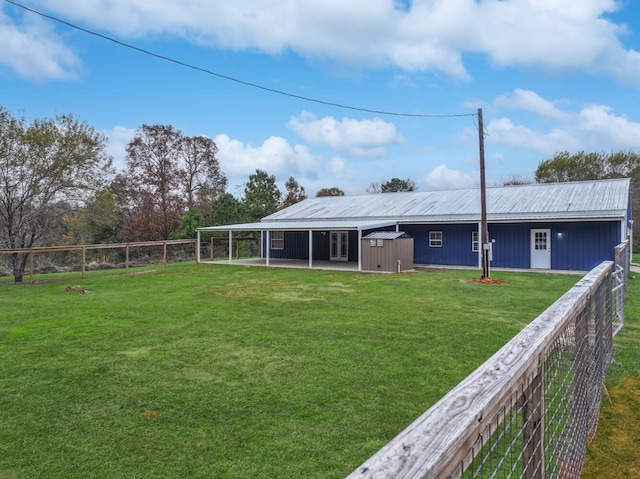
218 248
620 276
529 412
82 258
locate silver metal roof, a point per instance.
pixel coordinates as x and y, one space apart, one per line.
604 199
292 225
587 200
386 235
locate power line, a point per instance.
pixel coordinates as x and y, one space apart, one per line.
230 78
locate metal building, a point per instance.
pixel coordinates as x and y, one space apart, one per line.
562 226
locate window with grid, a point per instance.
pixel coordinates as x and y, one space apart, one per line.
277 240
435 239
475 242
540 240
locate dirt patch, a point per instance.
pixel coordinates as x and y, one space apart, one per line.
484 281
615 453
151 414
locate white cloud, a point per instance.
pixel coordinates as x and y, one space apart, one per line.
603 128
561 36
502 131
34 51
275 156
530 101
365 138
592 127
444 178
423 35
119 137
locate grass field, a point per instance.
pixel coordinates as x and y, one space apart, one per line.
615 453
231 372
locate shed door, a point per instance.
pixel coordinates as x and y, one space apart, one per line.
339 246
541 249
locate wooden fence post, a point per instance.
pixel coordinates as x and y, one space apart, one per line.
31 266
164 255
126 258
533 428
84 262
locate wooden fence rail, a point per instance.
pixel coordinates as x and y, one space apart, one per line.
86 247
527 412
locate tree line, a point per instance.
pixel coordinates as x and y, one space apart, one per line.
58 185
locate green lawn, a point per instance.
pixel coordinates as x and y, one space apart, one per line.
214 371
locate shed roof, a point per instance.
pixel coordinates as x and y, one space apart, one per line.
603 199
386 235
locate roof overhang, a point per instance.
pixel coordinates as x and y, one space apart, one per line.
304 225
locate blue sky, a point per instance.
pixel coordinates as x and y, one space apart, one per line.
549 76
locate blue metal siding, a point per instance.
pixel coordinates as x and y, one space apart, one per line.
576 246
296 246
583 246
456 249
580 247
321 245
511 244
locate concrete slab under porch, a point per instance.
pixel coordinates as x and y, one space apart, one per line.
353 266
289 263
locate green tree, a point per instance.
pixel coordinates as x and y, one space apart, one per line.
394 185
261 195
99 221
295 193
190 222
44 164
333 191
580 166
227 210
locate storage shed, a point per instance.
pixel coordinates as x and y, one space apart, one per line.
387 251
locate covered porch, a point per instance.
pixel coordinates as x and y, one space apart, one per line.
304 255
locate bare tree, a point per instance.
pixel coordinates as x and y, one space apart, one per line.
295 193
203 179
43 165
167 173
333 191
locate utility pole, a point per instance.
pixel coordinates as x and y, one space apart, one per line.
484 233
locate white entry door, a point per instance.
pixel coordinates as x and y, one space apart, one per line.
339 246
541 249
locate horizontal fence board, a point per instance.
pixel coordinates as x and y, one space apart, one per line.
51 249
435 443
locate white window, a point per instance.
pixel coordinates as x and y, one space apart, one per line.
372 242
380 242
435 239
475 242
277 240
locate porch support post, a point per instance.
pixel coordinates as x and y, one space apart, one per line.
359 249
479 245
197 246
268 246
310 249
230 246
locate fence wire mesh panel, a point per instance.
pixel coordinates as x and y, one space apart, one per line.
620 276
529 412
217 248
65 259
